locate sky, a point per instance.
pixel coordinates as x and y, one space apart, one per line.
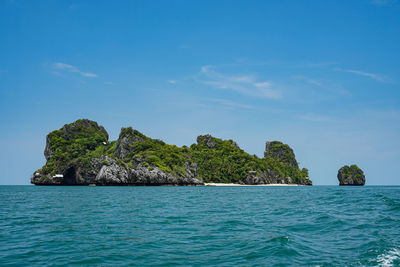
321 76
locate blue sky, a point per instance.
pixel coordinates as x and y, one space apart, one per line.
322 76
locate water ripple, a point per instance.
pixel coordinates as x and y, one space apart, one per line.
200 226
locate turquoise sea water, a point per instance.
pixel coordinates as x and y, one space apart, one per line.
226 226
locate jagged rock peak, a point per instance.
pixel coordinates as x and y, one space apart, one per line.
127 137
206 140
211 142
283 152
351 175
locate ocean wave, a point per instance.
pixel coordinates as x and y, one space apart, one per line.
389 258
309 226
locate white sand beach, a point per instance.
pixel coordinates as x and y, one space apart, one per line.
227 184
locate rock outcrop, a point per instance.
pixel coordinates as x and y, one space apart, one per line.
280 151
351 175
210 141
272 177
80 154
127 138
206 140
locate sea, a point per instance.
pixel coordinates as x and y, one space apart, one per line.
199 226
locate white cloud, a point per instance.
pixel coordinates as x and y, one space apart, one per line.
243 84
308 80
171 81
373 76
67 67
108 83
317 118
63 66
262 85
229 103
317 64
326 87
88 74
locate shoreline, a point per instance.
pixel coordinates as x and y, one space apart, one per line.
231 184
138 185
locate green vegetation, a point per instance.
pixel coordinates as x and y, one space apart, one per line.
227 163
353 171
154 152
77 142
217 160
281 151
351 175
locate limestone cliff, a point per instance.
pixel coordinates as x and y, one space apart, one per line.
80 154
280 151
351 175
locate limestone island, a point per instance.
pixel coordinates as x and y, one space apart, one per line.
80 154
351 175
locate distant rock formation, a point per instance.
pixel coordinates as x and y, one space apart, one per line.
80 154
351 175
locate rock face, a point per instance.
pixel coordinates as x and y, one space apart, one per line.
80 154
127 138
272 177
351 175
114 174
280 151
206 140
76 155
210 141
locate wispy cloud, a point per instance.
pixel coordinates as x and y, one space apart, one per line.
317 118
374 76
243 84
70 68
64 66
327 86
229 103
88 74
171 81
317 64
308 80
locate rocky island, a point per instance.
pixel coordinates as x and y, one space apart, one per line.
81 154
351 175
